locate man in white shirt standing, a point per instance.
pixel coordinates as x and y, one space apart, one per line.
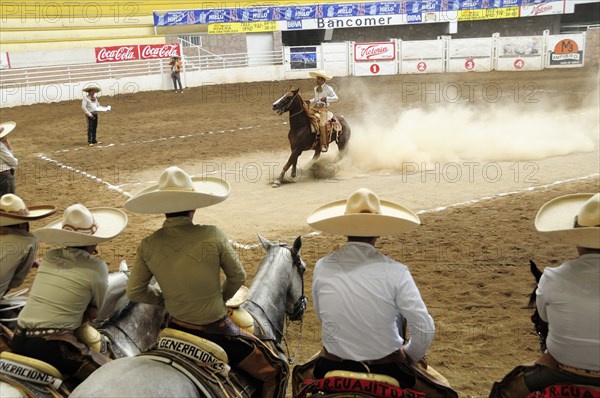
360 295
568 299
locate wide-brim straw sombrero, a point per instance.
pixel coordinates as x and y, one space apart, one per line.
556 220
239 297
91 87
177 191
363 214
320 73
108 223
8 127
13 210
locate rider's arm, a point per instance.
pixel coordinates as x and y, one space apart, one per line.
23 267
235 275
541 298
330 95
420 323
138 285
99 285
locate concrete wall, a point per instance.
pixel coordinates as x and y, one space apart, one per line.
592 47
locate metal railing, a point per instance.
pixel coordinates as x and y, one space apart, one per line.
78 73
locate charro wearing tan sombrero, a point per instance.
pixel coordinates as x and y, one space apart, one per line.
568 299
18 247
69 289
8 161
324 95
187 259
362 293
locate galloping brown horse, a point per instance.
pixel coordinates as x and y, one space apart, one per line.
300 135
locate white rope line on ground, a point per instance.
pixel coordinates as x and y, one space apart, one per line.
314 233
172 137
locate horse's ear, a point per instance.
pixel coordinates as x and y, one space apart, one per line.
297 244
537 273
265 242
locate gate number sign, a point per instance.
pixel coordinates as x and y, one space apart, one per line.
421 66
519 63
470 64
374 68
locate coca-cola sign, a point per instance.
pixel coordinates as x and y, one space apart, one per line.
385 51
117 53
152 51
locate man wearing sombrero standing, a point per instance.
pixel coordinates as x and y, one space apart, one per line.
18 246
568 299
69 289
359 295
89 105
8 161
323 96
187 260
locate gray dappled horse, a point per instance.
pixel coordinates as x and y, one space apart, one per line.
300 135
277 291
129 328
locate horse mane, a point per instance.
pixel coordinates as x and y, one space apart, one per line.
537 273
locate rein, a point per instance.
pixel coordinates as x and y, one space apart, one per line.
287 107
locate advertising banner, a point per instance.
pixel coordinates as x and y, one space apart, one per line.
136 52
414 11
385 51
242 27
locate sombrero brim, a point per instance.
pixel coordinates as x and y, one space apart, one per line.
8 127
90 88
207 191
394 219
35 213
238 298
111 222
316 74
555 221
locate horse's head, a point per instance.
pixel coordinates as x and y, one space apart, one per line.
284 103
541 327
277 290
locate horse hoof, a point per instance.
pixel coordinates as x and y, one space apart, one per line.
276 184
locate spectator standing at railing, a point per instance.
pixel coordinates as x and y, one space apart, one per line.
175 64
90 105
8 161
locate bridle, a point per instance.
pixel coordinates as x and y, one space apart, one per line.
287 106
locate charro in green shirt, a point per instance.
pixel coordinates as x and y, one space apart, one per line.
186 259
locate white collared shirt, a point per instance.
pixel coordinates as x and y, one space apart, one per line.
358 294
568 298
327 92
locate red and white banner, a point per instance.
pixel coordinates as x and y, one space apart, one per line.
135 52
385 51
152 51
534 10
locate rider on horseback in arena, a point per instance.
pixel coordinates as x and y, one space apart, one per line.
186 260
324 95
568 299
18 247
69 289
359 294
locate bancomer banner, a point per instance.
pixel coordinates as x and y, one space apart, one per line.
367 14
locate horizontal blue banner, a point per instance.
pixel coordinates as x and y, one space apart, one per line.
412 8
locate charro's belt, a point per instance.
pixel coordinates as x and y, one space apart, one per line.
579 371
38 332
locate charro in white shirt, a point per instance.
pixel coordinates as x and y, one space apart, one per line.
358 294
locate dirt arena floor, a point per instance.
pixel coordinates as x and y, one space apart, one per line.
475 155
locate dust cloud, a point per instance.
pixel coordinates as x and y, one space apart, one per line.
388 139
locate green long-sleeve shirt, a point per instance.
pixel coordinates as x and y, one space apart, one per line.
186 259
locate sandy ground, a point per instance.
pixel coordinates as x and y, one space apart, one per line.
475 155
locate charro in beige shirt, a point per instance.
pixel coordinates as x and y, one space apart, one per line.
17 253
67 282
186 259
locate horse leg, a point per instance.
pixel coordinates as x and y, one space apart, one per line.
291 161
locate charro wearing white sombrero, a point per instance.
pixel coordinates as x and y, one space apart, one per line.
90 105
568 299
187 259
8 161
68 290
359 294
324 95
